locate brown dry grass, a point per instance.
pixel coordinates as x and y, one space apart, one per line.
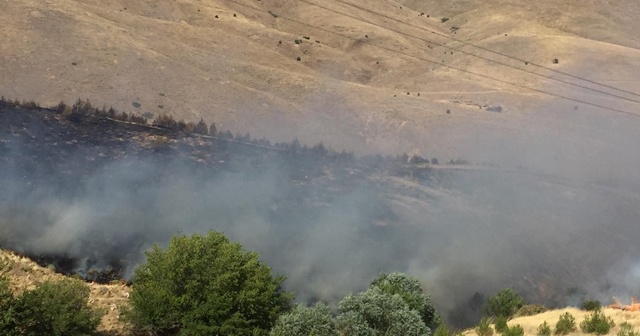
346 93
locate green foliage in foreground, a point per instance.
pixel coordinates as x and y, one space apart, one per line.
316 321
515 330
374 312
544 329
566 324
52 308
409 289
393 305
205 285
597 323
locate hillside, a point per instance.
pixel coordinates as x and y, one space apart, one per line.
234 62
89 194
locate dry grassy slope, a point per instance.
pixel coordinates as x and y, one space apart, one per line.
530 323
25 274
346 93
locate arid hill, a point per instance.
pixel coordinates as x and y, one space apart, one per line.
376 76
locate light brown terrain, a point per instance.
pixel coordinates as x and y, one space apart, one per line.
360 72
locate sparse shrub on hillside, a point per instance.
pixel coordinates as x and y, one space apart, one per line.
165 120
544 329
501 324
506 303
484 328
317 320
201 128
205 285
566 324
591 305
530 310
597 323
515 330
374 312
410 290
213 130
626 329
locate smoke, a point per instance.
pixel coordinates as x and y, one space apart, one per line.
465 233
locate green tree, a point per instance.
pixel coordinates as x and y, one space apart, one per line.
501 324
205 285
544 329
55 308
566 324
409 289
505 303
374 312
597 323
314 321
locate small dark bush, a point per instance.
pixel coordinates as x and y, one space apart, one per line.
501 324
443 20
626 329
566 324
591 305
544 329
597 323
483 328
442 331
515 330
507 302
530 310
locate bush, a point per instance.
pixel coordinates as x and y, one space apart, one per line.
409 289
566 324
515 330
205 285
442 331
374 312
316 320
483 328
501 324
506 303
626 329
52 308
530 310
597 323
591 305
544 329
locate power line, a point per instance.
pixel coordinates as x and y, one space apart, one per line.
438 63
466 52
474 45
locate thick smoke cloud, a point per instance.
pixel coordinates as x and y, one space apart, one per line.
466 234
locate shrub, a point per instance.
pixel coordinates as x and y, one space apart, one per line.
52 308
316 320
591 305
442 331
409 289
505 303
201 128
597 323
566 324
544 329
530 310
205 285
515 330
626 329
374 312
483 328
501 324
